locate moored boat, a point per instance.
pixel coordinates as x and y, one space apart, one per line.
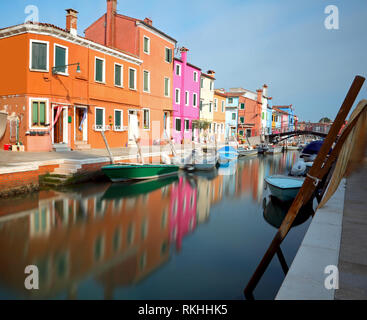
227 154
262 148
273 150
285 188
126 172
246 152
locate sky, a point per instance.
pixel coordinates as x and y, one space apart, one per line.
281 43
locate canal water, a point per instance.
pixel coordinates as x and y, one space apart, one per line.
197 236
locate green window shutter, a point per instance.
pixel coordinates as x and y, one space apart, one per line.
146 81
169 55
117 118
99 70
178 124
132 79
146 45
99 117
39 56
118 75
42 113
60 59
35 113
166 85
233 116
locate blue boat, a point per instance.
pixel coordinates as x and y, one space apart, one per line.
285 188
227 154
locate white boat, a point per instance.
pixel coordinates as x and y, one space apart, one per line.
204 161
274 150
246 152
285 188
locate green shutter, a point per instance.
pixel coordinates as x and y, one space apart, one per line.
60 59
117 118
99 117
132 79
166 85
146 81
146 45
39 56
35 113
42 113
178 124
99 70
118 75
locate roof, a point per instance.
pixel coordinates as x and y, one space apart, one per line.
189 64
207 76
155 29
67 33
222 94
280 111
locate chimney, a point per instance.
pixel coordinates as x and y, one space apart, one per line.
184 54
148 21
72 21
110 22
259 95
265 90
211 73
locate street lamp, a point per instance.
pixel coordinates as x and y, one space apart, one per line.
78 70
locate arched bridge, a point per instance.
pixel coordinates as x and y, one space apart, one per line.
277 137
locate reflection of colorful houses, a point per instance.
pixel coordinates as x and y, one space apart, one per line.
182 211
73 238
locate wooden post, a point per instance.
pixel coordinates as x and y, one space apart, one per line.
308 186
107 147
139 150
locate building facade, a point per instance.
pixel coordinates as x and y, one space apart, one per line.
219 116
63 90
186 91
154 79
206 104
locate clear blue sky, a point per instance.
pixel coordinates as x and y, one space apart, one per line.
282 43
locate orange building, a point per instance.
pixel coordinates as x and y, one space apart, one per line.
219 116
155 49
65 107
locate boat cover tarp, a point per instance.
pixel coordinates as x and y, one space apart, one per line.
313 147
285 182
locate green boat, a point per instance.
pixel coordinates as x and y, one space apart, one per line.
127 190
127 172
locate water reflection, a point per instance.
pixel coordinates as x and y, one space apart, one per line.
110 237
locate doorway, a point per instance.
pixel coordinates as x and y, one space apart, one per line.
133 125
59 126
166 123
81 124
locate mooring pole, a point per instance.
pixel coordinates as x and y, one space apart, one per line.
107 147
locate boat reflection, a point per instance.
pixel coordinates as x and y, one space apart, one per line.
276 210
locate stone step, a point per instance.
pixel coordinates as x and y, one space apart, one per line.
64 171
82 147
70 166
61 147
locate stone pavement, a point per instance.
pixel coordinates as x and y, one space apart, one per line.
353 248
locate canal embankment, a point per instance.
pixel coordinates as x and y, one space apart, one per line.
337 236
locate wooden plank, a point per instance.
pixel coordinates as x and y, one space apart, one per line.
308 187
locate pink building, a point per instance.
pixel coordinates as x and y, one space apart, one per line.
186 99
182 211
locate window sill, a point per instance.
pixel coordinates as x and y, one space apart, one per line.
37 70
121 87
61 74
100 82
132 89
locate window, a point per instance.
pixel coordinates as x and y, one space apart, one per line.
177 96
242 106
194 100
230 100
38 113
187 125
222 106
166 87
61 59
118 120
195 76
132 79
146 45
242 119
233 116
187 98
146 119
210 107
168 55
211 85
100 70
118 75
241 133
178 69
215 104
146 86
202 83
99 119
201 105
178 124
222 128
39 56
262 115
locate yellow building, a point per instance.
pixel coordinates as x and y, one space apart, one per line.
219 115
